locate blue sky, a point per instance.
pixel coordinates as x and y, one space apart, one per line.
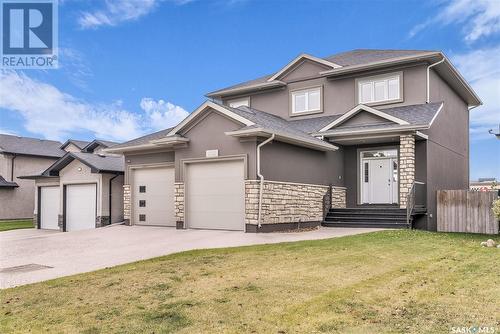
133 67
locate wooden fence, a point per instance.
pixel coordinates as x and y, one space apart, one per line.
466 211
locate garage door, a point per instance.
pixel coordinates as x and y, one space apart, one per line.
49 208
80 207
215 195
154 196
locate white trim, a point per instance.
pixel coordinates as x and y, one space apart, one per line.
362 107
249 88
436 114
205 106
283 137
306 92
245 99
377 130
299 58
421 135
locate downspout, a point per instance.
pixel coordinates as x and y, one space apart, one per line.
261 177
12 167
110 199
428 79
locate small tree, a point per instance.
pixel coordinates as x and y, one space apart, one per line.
496 208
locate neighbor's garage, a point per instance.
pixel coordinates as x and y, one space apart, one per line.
81 206
49 207
215 195
153 196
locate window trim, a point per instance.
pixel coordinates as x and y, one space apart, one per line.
246 99
308 112
358 81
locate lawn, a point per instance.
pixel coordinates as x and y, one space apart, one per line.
7 225
383 282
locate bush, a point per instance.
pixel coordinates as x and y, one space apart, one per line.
496 208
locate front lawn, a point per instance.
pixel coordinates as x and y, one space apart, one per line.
7 225
384 282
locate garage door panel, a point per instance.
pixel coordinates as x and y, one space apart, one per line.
158 196
215 195
49 208
80 207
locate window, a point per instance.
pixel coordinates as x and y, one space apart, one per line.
307 100
379 89
239 102
142 189
142 218
366 171
142 203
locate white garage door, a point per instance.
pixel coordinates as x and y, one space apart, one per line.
153 195
215 195
80 207
49 208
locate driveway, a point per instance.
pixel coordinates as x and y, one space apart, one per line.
28 256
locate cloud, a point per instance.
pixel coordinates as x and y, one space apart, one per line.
163 114
480 18
120 11
56 115
7 132
482 69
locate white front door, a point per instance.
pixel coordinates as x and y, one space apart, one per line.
380 184
80 207
378 177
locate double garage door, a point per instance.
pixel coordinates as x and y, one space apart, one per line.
214 195
80 208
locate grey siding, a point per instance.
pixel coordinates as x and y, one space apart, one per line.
146 159
288 163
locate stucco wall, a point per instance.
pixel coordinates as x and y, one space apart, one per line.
339 94
145 159
116 198
19 202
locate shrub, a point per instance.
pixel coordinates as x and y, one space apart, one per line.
496 208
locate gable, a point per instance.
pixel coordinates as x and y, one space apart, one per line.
72 148
363 118
303 69
208 124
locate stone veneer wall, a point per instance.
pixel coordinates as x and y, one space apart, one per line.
127 202
338 197
101 221
284 202
406 167
179 204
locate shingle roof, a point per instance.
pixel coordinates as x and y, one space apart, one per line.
78 143
101 162
144 139
344 59
7 184
416 114
30 146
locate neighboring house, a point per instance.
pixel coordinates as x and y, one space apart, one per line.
485 184
359 137
81 190
21 156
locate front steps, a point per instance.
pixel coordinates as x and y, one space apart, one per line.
378 217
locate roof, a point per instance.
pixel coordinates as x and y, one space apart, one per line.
78 143
30 146
7 184
97 162
144 139
363 60
91 146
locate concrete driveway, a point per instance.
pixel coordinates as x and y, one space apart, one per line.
28 256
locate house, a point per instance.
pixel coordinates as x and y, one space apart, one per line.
360 138
485 184
82 190
20 156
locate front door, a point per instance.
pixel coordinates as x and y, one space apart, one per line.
378 177
380 184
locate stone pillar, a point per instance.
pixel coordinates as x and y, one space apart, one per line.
127 202
35 220
179 204
338 197
406 167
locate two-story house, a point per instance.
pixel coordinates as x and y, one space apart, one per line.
360 138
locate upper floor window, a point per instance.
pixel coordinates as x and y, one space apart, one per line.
306 100
380 89
239 102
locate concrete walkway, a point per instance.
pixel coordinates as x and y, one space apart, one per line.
28 256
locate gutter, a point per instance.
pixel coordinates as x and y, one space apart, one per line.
110 197
12 167
428 79
261 177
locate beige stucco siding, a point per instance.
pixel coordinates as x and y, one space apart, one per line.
72 148
19 202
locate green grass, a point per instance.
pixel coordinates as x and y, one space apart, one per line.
7 225
383 282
